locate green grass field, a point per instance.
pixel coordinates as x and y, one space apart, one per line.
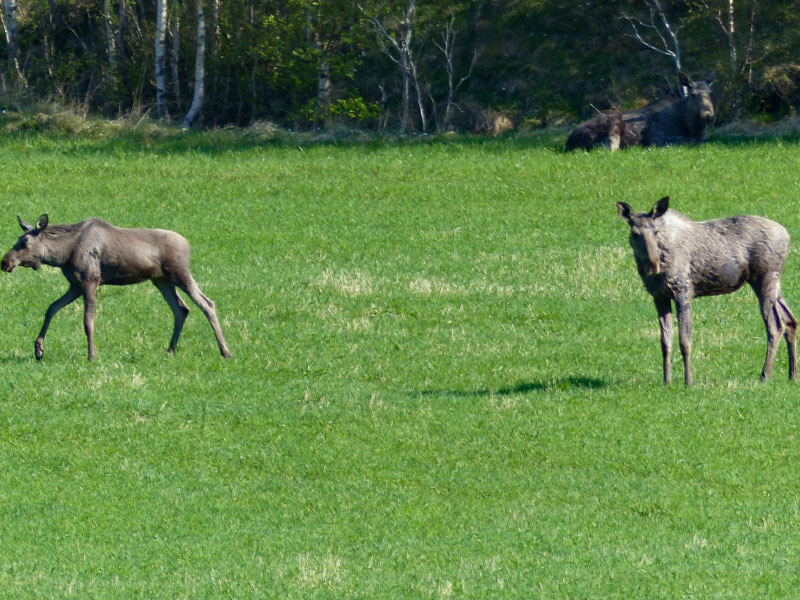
446 380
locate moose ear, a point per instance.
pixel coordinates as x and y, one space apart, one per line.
624 211
660 207
685 80
41 222
26 227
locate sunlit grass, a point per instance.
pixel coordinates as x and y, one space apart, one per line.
445 381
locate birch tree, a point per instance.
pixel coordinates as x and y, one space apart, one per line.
657 34
395 42
447 45
161 59
175 55
199 68
12 41
723 12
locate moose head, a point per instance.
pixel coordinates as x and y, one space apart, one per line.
643 235
30 248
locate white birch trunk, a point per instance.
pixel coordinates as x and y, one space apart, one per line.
199 68
398 49
176 51
732 36
161 59
12 40
668 37
406 66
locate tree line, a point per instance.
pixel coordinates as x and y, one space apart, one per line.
413 66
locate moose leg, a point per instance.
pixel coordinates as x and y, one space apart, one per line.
72 294
191 288
179 310
768 292
664 308
791 337
684 309
89 301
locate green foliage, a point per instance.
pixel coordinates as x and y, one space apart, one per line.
445 379
533 59
355 108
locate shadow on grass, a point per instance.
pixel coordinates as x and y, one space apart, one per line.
573 382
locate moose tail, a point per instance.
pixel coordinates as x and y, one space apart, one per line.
790 320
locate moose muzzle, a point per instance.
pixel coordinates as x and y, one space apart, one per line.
9 264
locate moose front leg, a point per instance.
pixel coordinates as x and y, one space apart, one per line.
664 308
684 309
72 294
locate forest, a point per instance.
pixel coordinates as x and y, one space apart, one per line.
401 66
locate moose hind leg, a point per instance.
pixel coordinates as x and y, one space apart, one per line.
70 296
684 309
179 310
768 293
209 310
790 335
89 302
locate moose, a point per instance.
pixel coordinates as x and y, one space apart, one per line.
664 122
604 129
679 259
93 252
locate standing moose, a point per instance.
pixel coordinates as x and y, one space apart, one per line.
679 259
93 253
667 121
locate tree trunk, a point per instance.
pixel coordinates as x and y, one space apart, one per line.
670 45
384 107
420 102
122 25
176 51
12 42
161 59
48 35
323 94
405 93
748 58
732 38
406 66
398 49
111 46
199 68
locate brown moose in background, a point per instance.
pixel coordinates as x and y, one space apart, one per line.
667 121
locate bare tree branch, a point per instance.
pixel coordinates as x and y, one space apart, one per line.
659 26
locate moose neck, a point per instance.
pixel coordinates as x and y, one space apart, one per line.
59 244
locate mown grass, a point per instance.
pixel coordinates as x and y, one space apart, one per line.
445 383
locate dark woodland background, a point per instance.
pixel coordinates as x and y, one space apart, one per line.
412 66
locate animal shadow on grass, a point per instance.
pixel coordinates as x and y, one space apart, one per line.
572 382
